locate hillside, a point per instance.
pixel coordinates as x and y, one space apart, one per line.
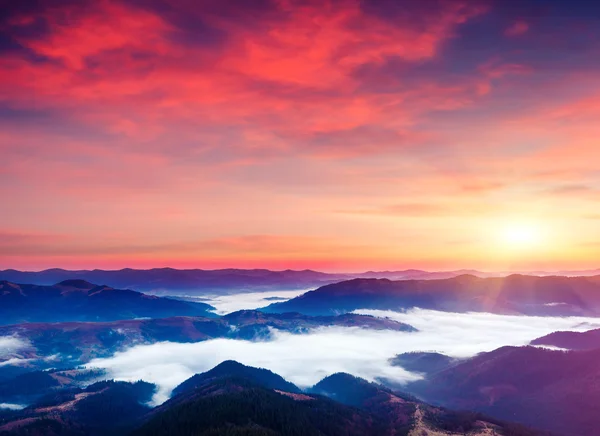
402 414
234 399
571 340
515 294
78 300
552 390
423 362
106 407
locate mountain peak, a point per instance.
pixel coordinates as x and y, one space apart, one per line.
229 365
232 368
348 389
76 283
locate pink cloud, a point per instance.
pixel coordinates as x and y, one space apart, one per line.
518 28
283 76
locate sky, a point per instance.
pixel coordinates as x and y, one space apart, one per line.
338 135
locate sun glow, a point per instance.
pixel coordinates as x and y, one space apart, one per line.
522 235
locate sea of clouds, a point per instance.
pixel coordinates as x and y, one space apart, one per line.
225 304
306 359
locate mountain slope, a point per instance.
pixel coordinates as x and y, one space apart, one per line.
239 401
29 387
403 414
106 407
554 390
78 300
516 294
423 362
571 340
234 399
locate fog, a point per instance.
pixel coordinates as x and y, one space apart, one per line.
252 300
11 406
306 359
464 335
10 345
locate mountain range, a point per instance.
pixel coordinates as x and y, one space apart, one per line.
194 281
515 294
62 326
78 300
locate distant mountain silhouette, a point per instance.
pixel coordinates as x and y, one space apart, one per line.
589 340
233 280
554 390
79 300
170 280
515 294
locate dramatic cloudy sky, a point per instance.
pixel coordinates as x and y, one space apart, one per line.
340 134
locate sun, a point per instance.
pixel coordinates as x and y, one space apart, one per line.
521 234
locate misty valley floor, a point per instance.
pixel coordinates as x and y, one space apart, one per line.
305 359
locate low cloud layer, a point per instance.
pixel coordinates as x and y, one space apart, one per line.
464 335
9 345
252 300
11 406
306 359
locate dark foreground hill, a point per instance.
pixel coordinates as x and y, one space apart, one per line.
102 408
231 368
554 390
238 406
515 294
78 300
234 399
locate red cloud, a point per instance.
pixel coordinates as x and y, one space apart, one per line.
519 27
282 82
